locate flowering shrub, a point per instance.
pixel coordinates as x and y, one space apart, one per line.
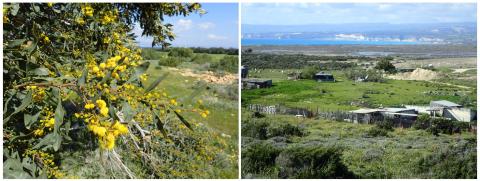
74 76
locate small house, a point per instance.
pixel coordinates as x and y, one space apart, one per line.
256 83
323 77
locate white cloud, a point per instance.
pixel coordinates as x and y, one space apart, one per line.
216 37
183 24
206 25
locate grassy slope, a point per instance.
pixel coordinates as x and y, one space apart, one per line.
224 112
338 95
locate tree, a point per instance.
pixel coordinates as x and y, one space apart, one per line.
73 75
385 65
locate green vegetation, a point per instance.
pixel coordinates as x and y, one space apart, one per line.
346 94
385 65
331 149
318 148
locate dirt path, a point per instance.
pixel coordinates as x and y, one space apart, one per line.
462 70
459 86
207 76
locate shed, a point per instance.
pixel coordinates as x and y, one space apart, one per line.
324 77
444 104
256 83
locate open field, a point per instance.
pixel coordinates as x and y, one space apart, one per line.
346 94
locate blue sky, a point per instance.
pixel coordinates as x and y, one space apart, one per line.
217 28
338 13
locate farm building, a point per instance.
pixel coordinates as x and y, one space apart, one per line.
256 83
402 117
323 77
444 104
293 76
244 71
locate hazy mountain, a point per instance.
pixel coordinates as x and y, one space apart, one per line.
451 33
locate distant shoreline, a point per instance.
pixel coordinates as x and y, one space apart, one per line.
415 51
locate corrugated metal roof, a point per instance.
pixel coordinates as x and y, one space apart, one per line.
446 103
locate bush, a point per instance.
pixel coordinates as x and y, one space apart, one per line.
255 128
385 65
376 132
285 130
180 52
259 157
308 162
202 58
422 122
386 124
309 72
171 61
454 162
76 82
373 75
228 63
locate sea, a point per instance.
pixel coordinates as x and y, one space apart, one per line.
322 42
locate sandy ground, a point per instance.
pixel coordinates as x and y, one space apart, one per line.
462 70
417 74
456 63
208 76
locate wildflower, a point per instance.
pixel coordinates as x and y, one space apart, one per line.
80 21
50 5
101 103
143 77
50 123
173 102
204 115
87 10
89 106
38 132
95 69
102 65
104 111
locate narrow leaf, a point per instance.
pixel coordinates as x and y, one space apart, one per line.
155 84
183 120
28 119
160 125
26 102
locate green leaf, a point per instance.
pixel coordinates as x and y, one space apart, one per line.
16 43
26 102
46 141
160 125
15 9
28 119
42 71
58 142
155 84
5 106
127 111
183 120
82 79
32 47
139 70
59 113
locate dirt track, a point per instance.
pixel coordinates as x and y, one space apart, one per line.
207 76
